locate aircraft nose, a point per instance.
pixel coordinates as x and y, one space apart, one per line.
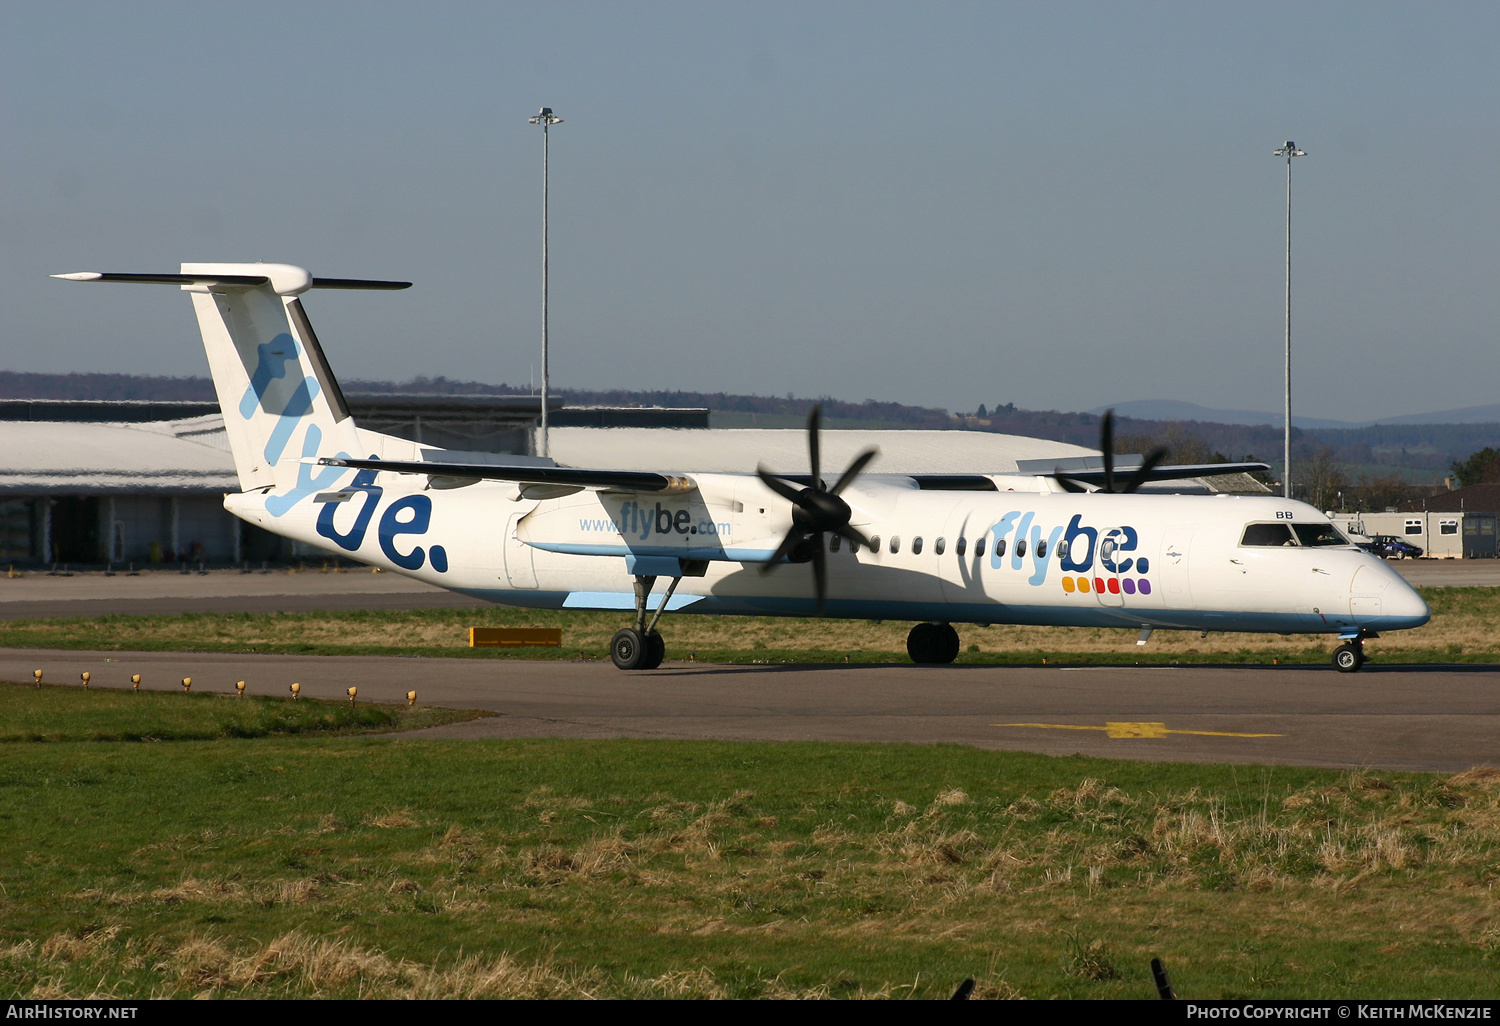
1403 603
1381 598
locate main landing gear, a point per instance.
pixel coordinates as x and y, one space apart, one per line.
641 647
1350 656
932 643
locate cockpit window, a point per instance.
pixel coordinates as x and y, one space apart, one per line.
1319 534
1268 534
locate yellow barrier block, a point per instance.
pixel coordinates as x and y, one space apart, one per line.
515 637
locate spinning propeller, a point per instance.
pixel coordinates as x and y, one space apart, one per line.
1141 474
815 511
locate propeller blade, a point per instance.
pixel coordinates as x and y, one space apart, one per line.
820 573
1107 447
854 535
782 488
814 428
790 542
1143 473
860 462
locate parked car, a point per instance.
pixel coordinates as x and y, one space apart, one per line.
1388 546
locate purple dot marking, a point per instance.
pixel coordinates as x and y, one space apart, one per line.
1128 585
1145 586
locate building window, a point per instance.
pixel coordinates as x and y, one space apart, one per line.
1414 527
1447 527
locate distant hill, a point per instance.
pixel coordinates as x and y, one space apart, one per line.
1176 409
16 385
1415 447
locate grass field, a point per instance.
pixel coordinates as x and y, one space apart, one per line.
1465 628
324 864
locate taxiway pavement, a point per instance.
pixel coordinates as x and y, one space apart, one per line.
1444 718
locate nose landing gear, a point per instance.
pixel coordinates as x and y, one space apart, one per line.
1350 656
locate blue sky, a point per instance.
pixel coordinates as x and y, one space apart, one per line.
1057 205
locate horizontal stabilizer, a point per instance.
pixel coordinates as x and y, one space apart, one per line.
239 280
615 480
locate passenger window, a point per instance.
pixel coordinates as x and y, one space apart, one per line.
1268 535
960 548
938 546
875 543
1106 548
999 548
895 543
1020 546
1319 534
833 543
1062 549
916 546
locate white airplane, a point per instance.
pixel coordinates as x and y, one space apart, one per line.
1080 549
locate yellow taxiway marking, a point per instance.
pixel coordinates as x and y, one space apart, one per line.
1124 730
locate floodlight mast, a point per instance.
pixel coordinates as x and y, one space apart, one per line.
546 119
1288 151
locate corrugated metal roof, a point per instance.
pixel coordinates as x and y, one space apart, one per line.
193 455
36 456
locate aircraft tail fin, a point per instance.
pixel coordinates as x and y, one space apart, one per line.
280 400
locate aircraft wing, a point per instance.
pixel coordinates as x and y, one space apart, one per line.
614 480
1176 473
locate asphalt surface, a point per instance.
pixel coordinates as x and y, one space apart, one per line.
40 595
1444 718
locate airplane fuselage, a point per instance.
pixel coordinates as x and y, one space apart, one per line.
983 557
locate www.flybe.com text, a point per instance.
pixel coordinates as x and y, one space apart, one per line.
637 521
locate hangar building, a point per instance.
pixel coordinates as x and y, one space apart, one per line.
101 482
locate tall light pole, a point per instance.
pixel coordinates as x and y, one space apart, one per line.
546 119
1288 151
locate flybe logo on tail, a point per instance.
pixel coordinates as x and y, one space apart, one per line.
1076 548
288 399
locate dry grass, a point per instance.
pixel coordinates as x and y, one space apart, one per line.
1465 622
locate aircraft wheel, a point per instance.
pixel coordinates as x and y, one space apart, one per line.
1348 658
629 650
656 650
932 643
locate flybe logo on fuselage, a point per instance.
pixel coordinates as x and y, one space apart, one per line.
1083 556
